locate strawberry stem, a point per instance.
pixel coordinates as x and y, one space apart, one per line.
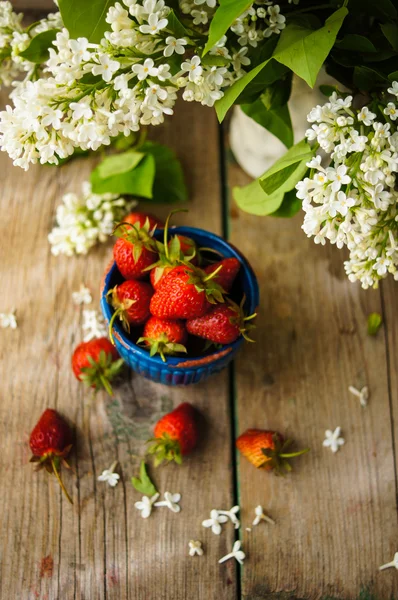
213 274
166 229
106 384
293 454
111 322
61 483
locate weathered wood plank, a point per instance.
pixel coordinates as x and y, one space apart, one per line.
336 514
100 548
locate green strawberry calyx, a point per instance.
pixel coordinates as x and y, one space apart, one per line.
240 319
204 282
277 458
139 237
162 345
51 461
121 307
100 373
165 448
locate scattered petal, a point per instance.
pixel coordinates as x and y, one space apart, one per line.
362 394
145 505
215 521
231 514
236 553
393 563
110 476
261 516
82 296
195 547
333 439
171 501
93 325
8 320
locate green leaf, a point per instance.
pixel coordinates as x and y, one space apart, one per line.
366 78
86 18
288 170
278 93
327 90
37 51
390 31
144 484
214 61
118 163
393 76
272 73
355 42
290 205
276 121
225 15
374 323
138 181
376 8
175 25
169 183
304 51
252 199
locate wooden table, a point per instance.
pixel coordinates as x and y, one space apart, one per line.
336 515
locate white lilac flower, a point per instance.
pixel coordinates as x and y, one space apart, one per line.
333 439
231 514
200 17
362 394
193 67
93 326
145 505
195 547
236 553
215 521
170 501
106 67
8 320
82 296
154 25
210 3
393 563
109 476
393 90
261 516
174 45
147 69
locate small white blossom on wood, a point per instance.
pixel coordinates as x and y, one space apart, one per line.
93 325
145 505
248 528
261 516
195 547
231 514
110 476
82 296
236 553
362 394
8 320
393 563
215 521
333 439
171 501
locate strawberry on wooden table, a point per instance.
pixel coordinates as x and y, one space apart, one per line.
184 293
96 363
135 250
227 274
131 301
223 324
50 443
176 434
267 450
164 336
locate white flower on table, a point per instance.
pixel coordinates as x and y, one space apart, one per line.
171 501
82 296
93 325
393 563
215 521
333 439
110 476
362 394
195 547
174 45
236 553
8 320
231 514
261 516
145 505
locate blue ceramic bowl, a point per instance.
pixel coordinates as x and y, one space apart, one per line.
183 370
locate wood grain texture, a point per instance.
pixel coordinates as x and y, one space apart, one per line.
336 514
100 548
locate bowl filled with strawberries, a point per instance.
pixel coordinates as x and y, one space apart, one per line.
179 301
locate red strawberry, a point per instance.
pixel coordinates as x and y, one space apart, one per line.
131 303
222 325
141 218
176 434
184 293
50 442
227 274
164 336
96 363
267 450
135 250
187 246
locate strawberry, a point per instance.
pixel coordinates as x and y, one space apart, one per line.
50 442
164 336
267 450
96 363
227 274
141 218
131 303
135 250
176 434
184 293
222 325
